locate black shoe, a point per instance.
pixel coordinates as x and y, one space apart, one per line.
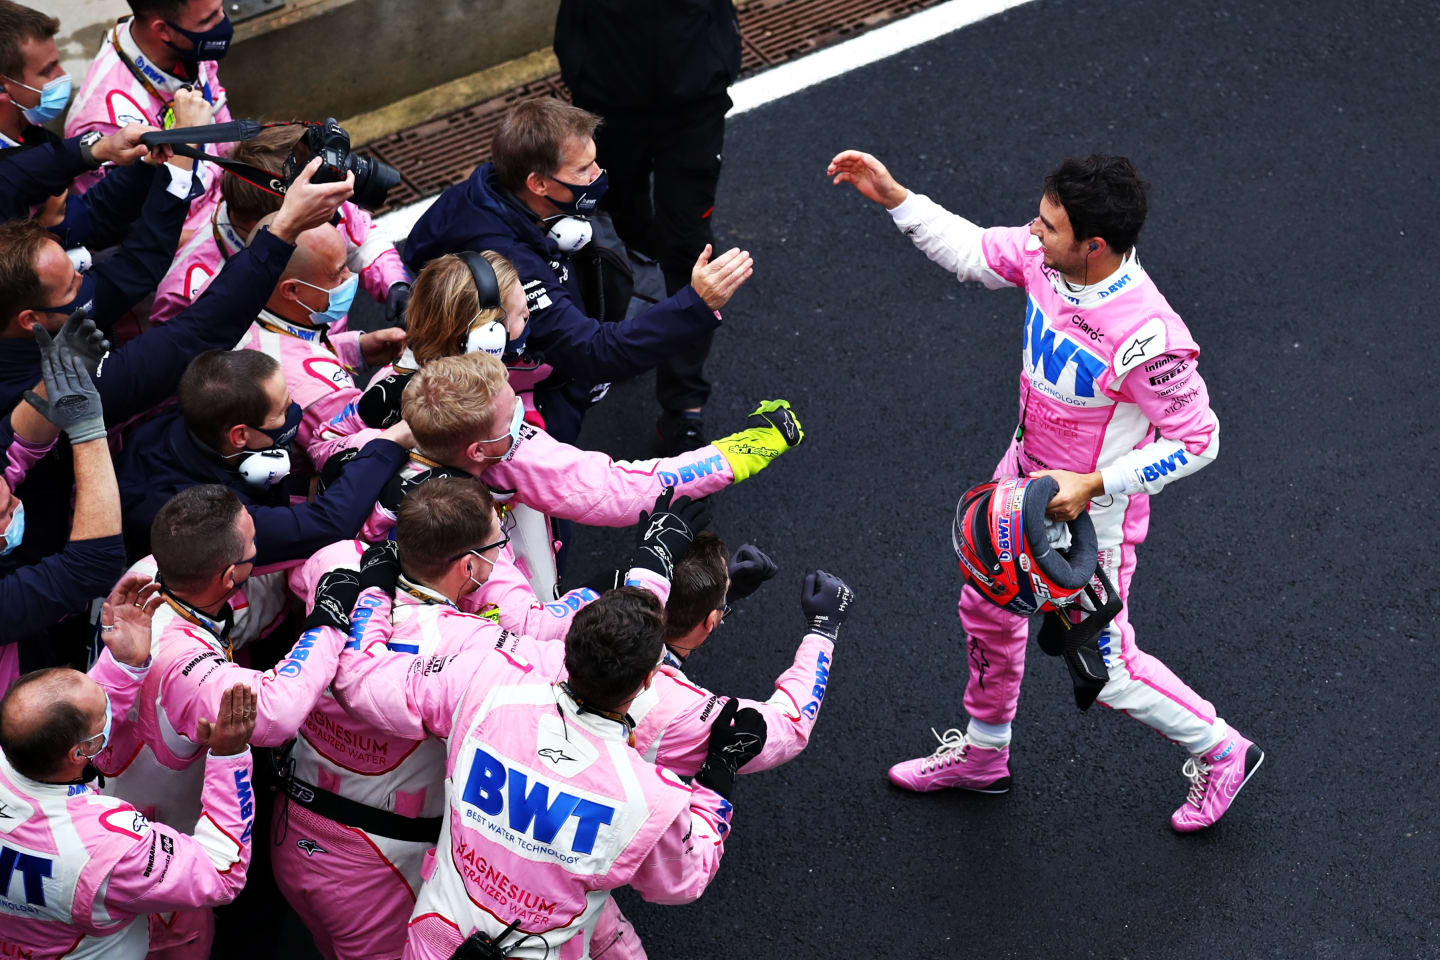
677 433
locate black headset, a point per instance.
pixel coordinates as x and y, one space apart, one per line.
487 287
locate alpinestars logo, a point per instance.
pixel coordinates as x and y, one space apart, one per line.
744 743
1137 349
310 847
555 755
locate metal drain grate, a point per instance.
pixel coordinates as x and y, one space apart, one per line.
435 154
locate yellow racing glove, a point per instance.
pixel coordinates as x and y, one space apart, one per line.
771 430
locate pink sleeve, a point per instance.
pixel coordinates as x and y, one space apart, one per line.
789 714
341 555
332 423
168 870
588 487
680 866
121 683
508 594
400 693
20 456
287 692
1004 249
346 344
1175 399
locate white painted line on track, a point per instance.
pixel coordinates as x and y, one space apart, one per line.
807 71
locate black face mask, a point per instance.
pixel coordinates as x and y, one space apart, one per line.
83 298
283 434
210 44
89 774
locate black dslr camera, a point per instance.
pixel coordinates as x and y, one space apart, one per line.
328 141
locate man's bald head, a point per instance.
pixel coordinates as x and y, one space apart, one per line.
318 262
44 716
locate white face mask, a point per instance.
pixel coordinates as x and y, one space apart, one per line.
516 418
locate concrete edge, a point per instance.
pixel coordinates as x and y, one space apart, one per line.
449 97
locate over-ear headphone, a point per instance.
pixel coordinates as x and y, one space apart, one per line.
487 287
490 338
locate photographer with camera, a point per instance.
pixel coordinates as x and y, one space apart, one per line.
143 62
529 205
369 251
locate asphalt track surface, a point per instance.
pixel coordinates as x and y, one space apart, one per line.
1291 150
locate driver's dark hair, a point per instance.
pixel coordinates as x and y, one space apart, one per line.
222 388
1103 196
39 752
612 645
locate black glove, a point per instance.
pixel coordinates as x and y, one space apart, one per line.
380 567
825 600
398 487
72 403
335 597
736 737
333 468
397 299
379 405
666 532
749 568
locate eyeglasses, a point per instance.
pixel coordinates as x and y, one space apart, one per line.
479 551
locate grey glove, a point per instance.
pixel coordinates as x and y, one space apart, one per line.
82 337
73 403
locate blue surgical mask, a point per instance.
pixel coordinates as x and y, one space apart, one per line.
104 734
341 298
210 44
53 97
583 196
15 532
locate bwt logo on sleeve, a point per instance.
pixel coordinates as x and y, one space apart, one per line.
691 472
493 788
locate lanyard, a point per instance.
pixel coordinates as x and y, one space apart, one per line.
218 628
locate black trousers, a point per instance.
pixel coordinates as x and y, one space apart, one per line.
670 222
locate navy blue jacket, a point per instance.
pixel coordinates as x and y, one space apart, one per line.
98 218
480 214
120 281
34 598
136 378
162 458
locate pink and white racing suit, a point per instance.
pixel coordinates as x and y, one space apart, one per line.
155 758
79 867
318 370
398 782
1103 368
369 252
549 807
121 87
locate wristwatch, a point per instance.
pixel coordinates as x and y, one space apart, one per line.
88 140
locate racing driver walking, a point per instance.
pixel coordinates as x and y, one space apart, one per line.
1106 363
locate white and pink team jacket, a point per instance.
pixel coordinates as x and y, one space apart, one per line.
1103 367
549 806
121 87
318 369
79 868
369 252
155 760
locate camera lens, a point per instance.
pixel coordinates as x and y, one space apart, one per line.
373 181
